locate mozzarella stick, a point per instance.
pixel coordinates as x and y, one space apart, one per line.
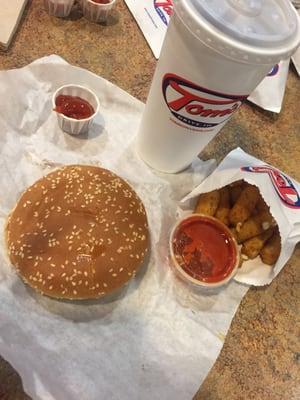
234 233
261 205
244 205
208 203
235 191
223 210
255 226
253 246
271 250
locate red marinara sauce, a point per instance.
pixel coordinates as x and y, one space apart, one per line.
73 107
204 249
102 1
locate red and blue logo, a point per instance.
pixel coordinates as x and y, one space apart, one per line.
164 9
274 70
196 106
282 184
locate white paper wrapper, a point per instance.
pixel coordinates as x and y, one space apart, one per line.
279 191
153 18
270 92
153 340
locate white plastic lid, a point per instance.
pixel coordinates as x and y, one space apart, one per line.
269 28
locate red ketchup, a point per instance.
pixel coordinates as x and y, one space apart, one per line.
73 107
204 249
102 1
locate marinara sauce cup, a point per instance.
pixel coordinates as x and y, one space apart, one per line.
203 251
70 125
97 10
59 8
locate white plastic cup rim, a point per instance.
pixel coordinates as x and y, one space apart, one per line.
83 89
185 276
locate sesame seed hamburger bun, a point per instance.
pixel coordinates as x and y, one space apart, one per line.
78 233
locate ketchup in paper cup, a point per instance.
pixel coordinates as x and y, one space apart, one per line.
97 10
204 251
75 107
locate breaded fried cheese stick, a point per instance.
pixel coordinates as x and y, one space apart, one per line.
271 250
253 246
244 205
235 189
255 226
208 203
223 210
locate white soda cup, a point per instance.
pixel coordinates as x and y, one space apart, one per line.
214 54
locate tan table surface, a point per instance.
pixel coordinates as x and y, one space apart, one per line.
261 355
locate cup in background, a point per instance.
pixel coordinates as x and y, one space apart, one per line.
96 12
59 8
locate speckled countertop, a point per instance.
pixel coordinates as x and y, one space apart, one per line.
261 356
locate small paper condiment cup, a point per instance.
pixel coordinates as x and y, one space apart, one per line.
72 125
96 12
184 276
59 8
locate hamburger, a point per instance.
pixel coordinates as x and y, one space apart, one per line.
79 232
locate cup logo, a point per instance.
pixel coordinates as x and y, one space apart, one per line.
164 9
282 184
274 70
195 106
